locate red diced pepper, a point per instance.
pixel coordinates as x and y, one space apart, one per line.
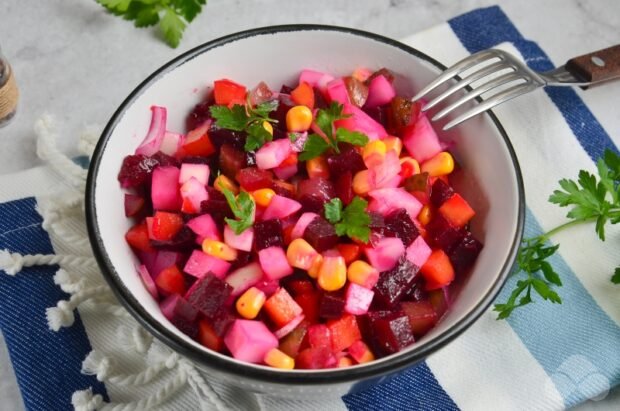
437 271
300 286
457 211
281 308
138 237
164 226
197 144
350 252
344 332
309 303
226 92
171 281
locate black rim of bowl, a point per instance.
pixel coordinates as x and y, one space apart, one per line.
263 374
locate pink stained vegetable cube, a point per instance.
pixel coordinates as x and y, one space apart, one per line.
280 207
193 193
241 241
273 153
386 200
421 140
337 91
244 278
274 263
357 299
284 172
385 254
315 78
199 264
362 122
165 189
198 171
204 227
380 92
249 340
300 226
418 252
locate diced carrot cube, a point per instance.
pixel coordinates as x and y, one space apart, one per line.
350 252
344 332
281 308
303 95
208 337
171 281
457 211
138 237
437 271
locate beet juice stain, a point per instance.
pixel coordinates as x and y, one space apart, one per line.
8 92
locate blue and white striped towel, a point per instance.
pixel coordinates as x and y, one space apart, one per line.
544 357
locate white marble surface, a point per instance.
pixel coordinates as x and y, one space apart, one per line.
78 63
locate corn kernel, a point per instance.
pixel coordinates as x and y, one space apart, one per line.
313 271
250 303
361 183
345 362
300 254
362 273
409 166
332 274
263 196
393 143
267 126
298 119
425 215
278 359
222 181
219 250
374 153
317 167
440 165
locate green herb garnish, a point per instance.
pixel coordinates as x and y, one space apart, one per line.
352 221
242 207
591 200
325 118
248 119
173 16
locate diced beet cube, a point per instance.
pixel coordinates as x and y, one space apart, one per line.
320 234
181 314
298 283
291 344
136 170
268 233
231 160
274 262
319 336
249 340
182 241
315 359
465 252
309 303
399 223
417 292
443 233
422 316
332 305
133 205
199 264
377 223
344 332
440 192
216 206
302 224
208 295
313 193
347 160
358 299
390 331
344 187
222 320
281 308
198 115
253 178
394 284
221 136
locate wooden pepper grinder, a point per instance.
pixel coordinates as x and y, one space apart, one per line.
8 92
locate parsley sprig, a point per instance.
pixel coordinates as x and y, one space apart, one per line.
352 221
242 207
247 118
173 16
590 199
325 118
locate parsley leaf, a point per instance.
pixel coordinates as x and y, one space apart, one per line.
242 207
592 199
325 118
173 16
353 221
333 210
248 119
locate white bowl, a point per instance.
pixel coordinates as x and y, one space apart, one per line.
491 182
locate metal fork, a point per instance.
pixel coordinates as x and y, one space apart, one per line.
517 79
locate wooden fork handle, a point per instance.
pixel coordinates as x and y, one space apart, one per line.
597 66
